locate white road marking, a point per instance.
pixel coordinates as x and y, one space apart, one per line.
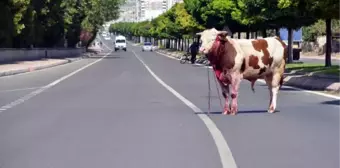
36 92
21 89
307 91
284 86
224 151
104 43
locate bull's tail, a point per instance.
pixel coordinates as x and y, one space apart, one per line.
252 85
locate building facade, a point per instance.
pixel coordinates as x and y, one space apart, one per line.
150 9
142 10
128 11
171 3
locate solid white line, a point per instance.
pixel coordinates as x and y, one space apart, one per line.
307 91
224 151
36 92
284 86
104 43
21 89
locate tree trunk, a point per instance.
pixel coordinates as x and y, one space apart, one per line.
187 45
264 33
248 34
290 45
168 43
256 35
277 32
182 44
94 32
328 59
239 35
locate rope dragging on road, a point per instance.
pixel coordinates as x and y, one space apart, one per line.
209 91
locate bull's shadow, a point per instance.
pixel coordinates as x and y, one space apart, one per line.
239 112
332 102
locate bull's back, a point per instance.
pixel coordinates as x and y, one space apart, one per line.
261 56
265 48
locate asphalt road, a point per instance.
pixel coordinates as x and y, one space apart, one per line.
114 113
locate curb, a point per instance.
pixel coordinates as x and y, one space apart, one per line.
299 81
34 68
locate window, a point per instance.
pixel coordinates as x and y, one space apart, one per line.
147 43
120 41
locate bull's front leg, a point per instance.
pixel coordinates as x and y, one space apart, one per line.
225 94
235 85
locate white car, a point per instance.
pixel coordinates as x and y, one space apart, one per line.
120 43
107 38
147 46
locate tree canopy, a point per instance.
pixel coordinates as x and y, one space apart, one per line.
184 19
47 23
238 15
173 24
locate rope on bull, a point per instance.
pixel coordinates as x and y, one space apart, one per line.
209 91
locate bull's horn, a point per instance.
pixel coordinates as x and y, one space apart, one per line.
223 32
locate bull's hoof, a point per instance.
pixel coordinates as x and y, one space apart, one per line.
271 110
226 111
234 110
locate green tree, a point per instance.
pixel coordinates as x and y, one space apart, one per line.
215 13
274 14
318 9
47 23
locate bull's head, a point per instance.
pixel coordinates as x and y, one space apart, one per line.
208 37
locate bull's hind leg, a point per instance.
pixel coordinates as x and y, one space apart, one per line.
268 80
274 82
277 81
275 86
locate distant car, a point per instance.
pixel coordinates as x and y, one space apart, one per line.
147 46
120 43
107 38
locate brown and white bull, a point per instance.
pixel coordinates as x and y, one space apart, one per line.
250 59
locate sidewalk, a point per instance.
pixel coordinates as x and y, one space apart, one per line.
305 81
29 66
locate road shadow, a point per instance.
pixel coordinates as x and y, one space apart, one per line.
107 57
239 112
288 89
332 102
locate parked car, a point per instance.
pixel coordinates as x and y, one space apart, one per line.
147 46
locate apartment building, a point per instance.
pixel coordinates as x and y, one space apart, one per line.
149 9
128 11
171 3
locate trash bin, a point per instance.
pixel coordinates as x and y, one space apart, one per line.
296 53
